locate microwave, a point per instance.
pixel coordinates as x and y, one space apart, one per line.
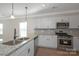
62 25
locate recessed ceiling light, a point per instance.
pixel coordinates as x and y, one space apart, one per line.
43 5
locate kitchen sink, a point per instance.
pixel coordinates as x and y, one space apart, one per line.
11 42
18 41
25 38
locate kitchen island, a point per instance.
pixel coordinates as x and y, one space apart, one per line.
17 50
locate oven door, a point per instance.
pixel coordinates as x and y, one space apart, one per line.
65 42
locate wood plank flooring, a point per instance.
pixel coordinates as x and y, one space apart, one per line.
55 52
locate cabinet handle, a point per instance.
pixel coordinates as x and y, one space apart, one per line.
28 50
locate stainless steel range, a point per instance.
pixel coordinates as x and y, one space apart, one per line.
64 40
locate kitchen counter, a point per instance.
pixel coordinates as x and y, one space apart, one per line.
8 49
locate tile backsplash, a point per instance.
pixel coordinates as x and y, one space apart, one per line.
45 31
48 31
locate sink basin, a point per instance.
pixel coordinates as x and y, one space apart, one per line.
18 41
11 42
26 38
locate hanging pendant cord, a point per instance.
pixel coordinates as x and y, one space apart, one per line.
12 8
26 13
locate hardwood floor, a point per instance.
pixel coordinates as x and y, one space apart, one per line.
55 52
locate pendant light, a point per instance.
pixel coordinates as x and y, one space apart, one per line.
12 12
26 13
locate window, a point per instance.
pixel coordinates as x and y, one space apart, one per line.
1 32
23 29
1 40
1 29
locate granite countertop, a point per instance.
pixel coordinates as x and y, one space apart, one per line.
7 49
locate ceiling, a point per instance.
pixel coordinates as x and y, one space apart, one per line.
36 8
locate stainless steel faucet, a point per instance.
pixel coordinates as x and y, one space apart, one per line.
14 36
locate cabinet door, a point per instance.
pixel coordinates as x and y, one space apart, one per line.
30 49
35 44
74 22
76 43
42 41
25 50
22 51
54 41
73 25
48 41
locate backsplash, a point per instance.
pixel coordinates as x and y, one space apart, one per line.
45 31
51 31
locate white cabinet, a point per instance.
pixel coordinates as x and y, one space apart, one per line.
73 25
45 23
35 44
30 49
49 41
22 51
25 50
76 43
54 42
74 21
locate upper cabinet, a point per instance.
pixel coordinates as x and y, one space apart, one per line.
46 22
74 21
51 22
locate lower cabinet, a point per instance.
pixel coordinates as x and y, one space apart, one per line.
25 50
49 41
76 43
35 44
30 49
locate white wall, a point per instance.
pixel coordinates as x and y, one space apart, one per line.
6 29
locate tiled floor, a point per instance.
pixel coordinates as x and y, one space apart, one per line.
55 52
